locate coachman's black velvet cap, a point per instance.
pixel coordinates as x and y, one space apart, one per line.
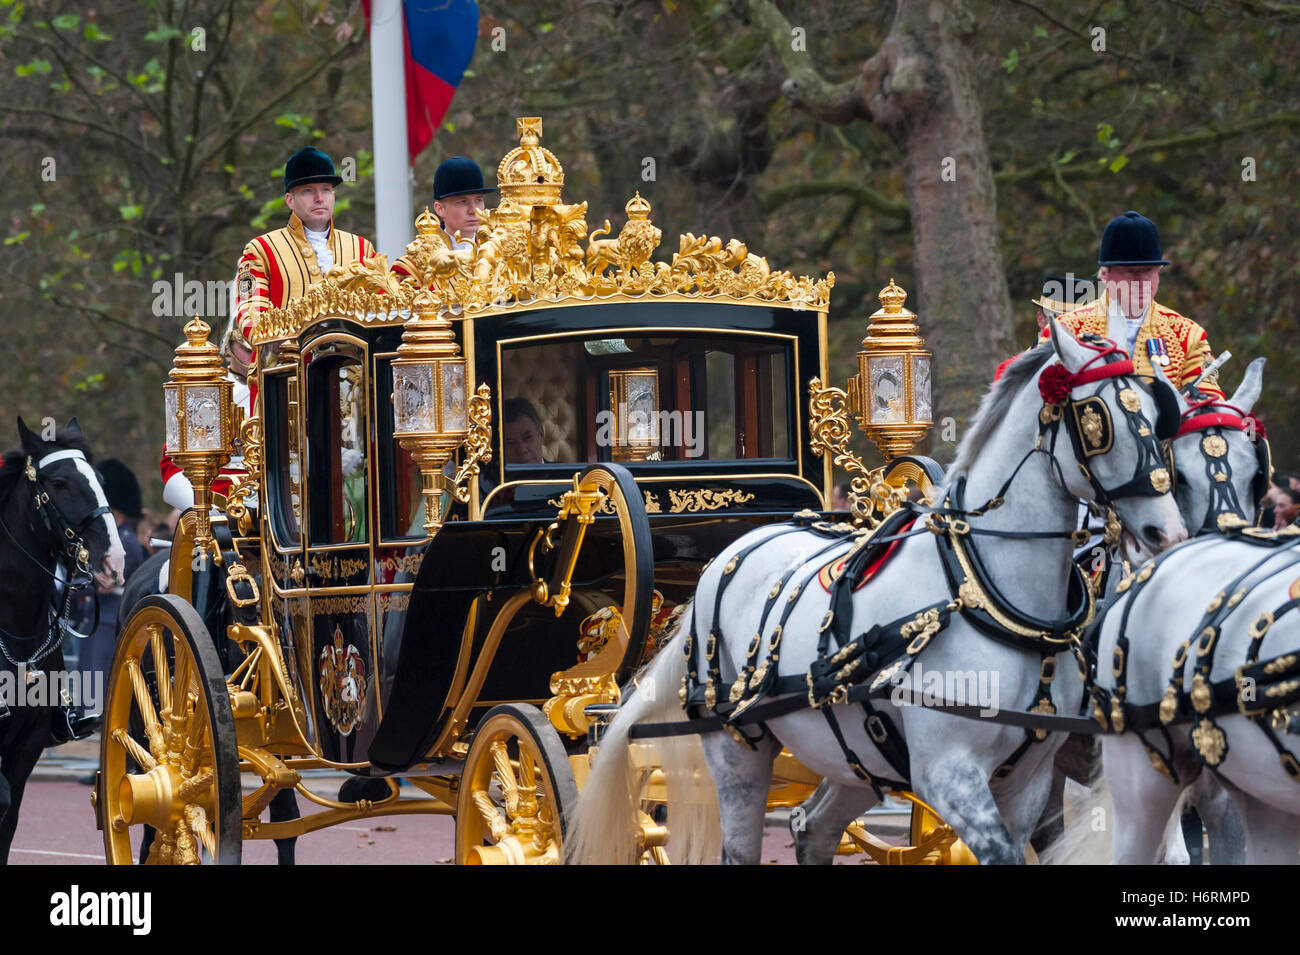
458 176
307 166
1064 293
121 488
1131 239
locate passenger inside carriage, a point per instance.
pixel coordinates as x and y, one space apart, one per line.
666 397
674 397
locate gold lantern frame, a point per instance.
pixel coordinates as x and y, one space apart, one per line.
430 359
892 333
198 368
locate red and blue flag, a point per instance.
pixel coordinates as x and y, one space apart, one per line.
440 37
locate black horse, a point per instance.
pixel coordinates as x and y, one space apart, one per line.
55 530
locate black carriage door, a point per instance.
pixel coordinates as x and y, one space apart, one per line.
339 510
284 557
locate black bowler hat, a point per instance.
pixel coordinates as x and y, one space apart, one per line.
1131 239
458 176
309 165
1064 293
120 487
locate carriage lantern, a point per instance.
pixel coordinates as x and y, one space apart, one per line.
429 399
890 394
200 419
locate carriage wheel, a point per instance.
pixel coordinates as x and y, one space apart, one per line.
168 756
515 791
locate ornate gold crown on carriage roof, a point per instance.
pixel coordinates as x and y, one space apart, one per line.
535 249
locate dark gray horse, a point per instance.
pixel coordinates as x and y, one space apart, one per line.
55 527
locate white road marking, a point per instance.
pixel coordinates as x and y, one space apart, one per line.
47 852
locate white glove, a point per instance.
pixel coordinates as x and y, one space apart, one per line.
178 492
352 460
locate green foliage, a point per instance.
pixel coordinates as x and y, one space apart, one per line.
36 67
693 86
163 33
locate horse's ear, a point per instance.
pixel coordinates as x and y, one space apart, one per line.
30 441
1158 373
1072 354
1251 384
73 429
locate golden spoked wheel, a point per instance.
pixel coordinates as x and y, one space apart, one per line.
168 756
514 791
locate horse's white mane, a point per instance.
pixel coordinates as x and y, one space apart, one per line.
995 405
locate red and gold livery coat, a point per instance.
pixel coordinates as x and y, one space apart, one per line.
1185 341
280 266
275 269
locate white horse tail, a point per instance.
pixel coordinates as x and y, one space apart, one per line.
1176 850
605 826
1087 838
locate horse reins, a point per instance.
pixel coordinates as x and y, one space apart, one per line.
70 553
1091 432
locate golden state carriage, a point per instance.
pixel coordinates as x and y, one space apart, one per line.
394 591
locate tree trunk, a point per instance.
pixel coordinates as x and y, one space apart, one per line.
918 89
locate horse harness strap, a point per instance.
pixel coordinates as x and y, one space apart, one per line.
868 667
52 517
70 553
1278 678
1223 508
885 652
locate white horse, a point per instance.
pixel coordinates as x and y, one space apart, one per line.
1220 476
1154 617
1098 441
1208 506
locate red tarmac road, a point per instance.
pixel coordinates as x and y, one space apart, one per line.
56 827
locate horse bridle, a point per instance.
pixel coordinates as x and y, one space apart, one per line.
69 550
1090 427
1224 509
70 536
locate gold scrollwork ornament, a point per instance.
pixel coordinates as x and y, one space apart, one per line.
1209 742
1090 421
477 444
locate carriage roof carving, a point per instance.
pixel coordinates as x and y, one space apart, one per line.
535 249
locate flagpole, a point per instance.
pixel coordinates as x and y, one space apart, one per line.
393 216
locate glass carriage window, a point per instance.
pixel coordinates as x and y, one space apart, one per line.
720 403
672 397
283 462
401 506
337 446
